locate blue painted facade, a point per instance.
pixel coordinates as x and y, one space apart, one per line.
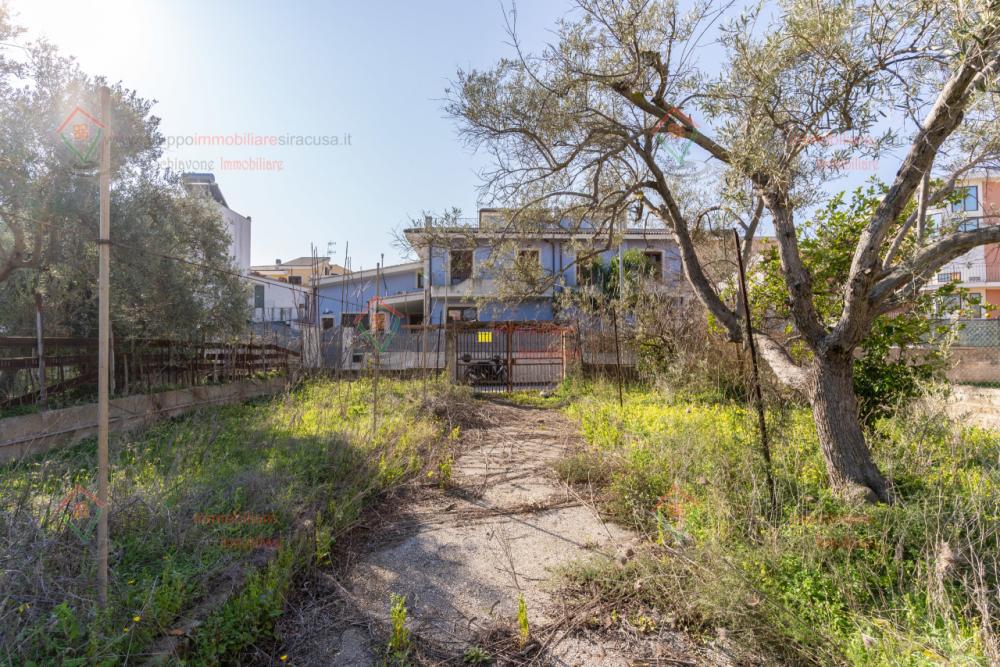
402 285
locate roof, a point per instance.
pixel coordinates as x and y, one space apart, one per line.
205 182
368 273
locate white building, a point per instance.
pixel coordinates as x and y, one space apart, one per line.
279 302
237 225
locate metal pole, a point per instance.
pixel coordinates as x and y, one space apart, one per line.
614 315
104 330
374 321
618 358
755 378
343 291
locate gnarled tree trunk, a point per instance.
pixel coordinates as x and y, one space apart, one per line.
849 462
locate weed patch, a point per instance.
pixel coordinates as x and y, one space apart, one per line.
264 488
828 582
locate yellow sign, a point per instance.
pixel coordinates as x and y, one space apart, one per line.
485 336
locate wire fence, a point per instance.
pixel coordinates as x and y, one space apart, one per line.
973 332
65 370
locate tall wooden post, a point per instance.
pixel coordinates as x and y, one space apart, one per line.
43 394
103 353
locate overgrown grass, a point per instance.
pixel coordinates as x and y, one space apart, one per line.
827 582
238 496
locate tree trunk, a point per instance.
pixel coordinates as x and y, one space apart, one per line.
835 410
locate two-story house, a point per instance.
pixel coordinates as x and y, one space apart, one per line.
455 278
977 271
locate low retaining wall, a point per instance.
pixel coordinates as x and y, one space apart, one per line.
32 434
975 405
974 364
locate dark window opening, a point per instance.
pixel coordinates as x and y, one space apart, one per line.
461 265
416 319
354 319
420 279
258 296
528 258
462 314
655 260
295 280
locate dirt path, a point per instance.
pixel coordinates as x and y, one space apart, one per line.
464 555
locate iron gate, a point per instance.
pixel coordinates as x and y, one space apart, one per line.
505 356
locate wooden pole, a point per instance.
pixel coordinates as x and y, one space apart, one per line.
104 331
43 394
755 379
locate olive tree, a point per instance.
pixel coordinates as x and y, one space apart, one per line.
776 100
172 272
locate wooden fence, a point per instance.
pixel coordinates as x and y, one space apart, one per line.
69 366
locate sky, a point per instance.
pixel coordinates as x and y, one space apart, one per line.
365 78
370 74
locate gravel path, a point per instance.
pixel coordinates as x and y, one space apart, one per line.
463 556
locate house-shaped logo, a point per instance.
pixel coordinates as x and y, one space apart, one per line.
81 132
382 324
676 124
84 509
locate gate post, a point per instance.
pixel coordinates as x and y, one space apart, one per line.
510 357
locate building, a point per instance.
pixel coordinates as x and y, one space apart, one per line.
237 225
452 279
298 271
278 302
977 271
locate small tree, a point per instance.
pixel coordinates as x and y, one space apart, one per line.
600 127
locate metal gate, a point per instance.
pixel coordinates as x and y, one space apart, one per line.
507 356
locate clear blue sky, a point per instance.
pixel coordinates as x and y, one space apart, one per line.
374 70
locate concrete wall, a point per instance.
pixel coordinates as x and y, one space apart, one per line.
974 364
239 238
975 405
31 434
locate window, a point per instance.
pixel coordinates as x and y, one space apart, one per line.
420 279
258 296
528 258
588 273
415 319
948 277
462 314
295 280
461 265
327 323
349 319
973 303
969 201
968 225
655 260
